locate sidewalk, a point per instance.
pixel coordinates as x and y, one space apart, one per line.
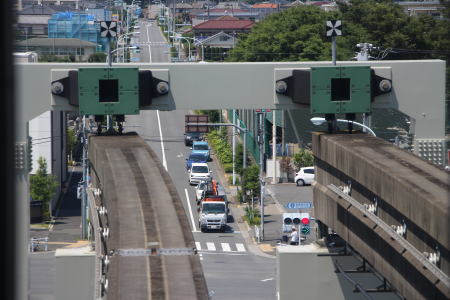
64 229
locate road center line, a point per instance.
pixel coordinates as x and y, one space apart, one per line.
162 143
190 209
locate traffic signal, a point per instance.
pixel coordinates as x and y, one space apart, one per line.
295 219
334 89
109 91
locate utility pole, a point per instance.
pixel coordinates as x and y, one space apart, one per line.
85 179
274 146
234 147
363 55
261 131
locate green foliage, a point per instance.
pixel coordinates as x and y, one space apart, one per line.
228 167
250 180
221 147
230 179
304 158
53 58
97 57
42 187
71 141
252 217
298 33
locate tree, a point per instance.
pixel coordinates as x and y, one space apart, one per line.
250 180
295 34
304 158
42 187
71 141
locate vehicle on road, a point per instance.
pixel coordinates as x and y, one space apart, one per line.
213 213
201 147
190 137
199 172
304 176
205 188
193 128
195 158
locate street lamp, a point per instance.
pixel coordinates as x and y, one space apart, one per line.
319 121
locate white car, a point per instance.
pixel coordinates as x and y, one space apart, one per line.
304 176
199 172
199 189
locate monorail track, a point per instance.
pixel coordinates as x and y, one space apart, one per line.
150 241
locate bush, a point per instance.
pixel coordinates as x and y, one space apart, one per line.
304 158
228 167
252 217
230 179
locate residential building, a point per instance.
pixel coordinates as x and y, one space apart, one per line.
73 4
59 47
428 7
32 21
227 24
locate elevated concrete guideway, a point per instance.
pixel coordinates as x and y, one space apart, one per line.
405 190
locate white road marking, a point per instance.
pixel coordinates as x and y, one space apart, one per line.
149 49
240 247
190 210
225 247
223 253
198 246
162 143
211 246
267 279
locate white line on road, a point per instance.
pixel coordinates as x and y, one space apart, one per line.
267 279
240 247
211 246
198 246
162 143
225 247
149 49
190 210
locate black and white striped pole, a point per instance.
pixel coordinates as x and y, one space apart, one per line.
334 28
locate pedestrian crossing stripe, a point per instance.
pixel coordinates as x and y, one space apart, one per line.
224 247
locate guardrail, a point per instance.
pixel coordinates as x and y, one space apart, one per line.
36 244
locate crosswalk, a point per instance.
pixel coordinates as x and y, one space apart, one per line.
220 247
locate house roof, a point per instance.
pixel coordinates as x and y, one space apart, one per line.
44 9
50 42
225 23
37 10
265 5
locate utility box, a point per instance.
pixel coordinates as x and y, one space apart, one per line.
75 273
108 91
343 89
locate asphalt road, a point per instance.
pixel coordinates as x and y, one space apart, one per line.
231 270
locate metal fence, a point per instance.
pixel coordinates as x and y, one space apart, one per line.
38 244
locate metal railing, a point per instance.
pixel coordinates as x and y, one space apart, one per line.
38 244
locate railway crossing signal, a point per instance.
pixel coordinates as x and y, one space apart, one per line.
334 28
108 29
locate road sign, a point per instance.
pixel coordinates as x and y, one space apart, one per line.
305 229
299 205
108 29
334 28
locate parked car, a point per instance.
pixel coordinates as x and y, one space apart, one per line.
195 158
201 147
190 137
199 172
304 176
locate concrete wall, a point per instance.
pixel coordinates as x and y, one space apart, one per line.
406 187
